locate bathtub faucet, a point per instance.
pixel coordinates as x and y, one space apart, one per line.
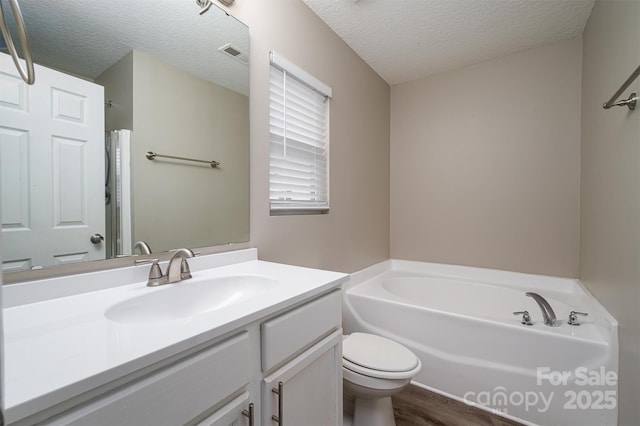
547 312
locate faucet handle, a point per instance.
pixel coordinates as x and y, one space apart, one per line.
139 262
185 273
526 318
573 317
155 273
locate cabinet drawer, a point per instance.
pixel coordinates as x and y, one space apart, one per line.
284 336
174 395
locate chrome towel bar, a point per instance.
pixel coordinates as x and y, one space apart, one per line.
633 98
152 156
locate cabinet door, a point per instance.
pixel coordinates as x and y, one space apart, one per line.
309 387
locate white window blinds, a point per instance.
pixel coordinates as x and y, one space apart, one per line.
299 139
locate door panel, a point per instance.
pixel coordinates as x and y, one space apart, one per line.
14 175
69 165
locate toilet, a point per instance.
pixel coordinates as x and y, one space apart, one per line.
374 368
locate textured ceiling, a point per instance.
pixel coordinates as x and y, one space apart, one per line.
86 37
404 40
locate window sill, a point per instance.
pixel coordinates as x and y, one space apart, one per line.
297 211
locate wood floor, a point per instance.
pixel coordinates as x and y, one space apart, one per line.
415 406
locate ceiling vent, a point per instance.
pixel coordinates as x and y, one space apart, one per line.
235 53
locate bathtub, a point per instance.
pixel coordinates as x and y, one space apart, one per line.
460 322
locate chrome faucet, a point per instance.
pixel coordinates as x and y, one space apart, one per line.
142 246
547 312
177 270
177 273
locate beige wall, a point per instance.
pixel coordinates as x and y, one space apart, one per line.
174 202
355 233
118 88
485 164
610 196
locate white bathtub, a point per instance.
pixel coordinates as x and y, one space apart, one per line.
460 322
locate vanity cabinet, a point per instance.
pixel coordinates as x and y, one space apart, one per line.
296 350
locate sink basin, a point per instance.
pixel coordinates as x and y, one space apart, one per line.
188 298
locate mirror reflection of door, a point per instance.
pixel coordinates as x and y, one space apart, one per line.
51 157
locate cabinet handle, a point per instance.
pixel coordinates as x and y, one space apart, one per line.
280 392
249 414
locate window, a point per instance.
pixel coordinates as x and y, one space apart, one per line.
299 140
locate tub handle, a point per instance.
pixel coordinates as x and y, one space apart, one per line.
573 317
526 318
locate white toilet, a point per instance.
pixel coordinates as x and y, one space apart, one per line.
374 368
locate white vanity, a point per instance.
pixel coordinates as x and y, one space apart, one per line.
100 349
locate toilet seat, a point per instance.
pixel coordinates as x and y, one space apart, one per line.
379 357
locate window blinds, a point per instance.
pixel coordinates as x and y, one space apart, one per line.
299 148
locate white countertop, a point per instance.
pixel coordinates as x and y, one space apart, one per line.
60 348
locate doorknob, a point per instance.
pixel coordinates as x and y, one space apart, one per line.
96 238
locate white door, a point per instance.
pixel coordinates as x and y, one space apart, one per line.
51 168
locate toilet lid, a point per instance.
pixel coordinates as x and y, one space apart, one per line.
377 353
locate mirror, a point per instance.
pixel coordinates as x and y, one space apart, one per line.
123 79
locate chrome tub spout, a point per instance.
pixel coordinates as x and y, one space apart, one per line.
547 312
